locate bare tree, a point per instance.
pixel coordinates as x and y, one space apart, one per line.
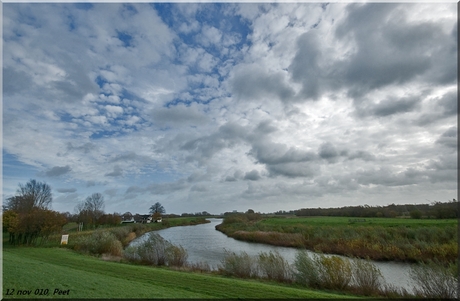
91 209
29 196
95 205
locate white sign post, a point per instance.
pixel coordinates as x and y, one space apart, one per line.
64 239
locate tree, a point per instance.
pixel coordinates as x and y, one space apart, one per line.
29 196
90 211
157 208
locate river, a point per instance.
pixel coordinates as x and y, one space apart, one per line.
205 244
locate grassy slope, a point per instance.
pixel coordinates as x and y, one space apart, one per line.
89 277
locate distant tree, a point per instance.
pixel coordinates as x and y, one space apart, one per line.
250 211
29 196
90 211
157 208
416 214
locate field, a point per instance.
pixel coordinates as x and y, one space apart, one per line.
62 273
352 221
395 239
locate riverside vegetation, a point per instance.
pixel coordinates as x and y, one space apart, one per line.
395 239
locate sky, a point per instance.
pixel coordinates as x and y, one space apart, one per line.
231 106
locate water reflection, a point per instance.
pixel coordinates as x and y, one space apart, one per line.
205 243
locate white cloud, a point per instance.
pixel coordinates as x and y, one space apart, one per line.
232 106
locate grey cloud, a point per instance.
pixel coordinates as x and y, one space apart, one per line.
388 106
384 176
179 115
230 179
235 177
199 188
66 190
58 171
294 169
130 156
275 153
363 155
253 175
379 61
86 148
117 171
15 81
90 183
447 106
449 138
304 67
203 148
111 192
253 82
158 188
449 103
327 151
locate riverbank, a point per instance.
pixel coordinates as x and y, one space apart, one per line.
125 233
63 273
380 239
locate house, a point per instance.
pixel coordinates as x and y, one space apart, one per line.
144 219
158 220
128 221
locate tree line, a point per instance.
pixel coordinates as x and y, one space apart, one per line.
438 210
27 216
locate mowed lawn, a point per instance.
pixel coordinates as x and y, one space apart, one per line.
36 270
358 221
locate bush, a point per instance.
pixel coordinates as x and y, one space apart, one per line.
273 266
434 280
241 265
366 277
155 250
176 256
151 251
306 272
334 272
100 242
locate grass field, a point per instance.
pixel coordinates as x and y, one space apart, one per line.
62 273
372 221
395 239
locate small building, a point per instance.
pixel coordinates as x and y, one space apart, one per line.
144 219
128 221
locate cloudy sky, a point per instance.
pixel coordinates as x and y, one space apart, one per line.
231 106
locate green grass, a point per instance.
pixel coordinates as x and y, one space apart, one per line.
341 221
89 277
400 239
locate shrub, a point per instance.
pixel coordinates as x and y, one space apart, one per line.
273 266
100 242
241 265
434 280
151 251
306 272
155 250
334 272
366 277
176 256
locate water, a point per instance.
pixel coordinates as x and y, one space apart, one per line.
205 244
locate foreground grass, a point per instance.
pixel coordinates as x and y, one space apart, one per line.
81 276
394 239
